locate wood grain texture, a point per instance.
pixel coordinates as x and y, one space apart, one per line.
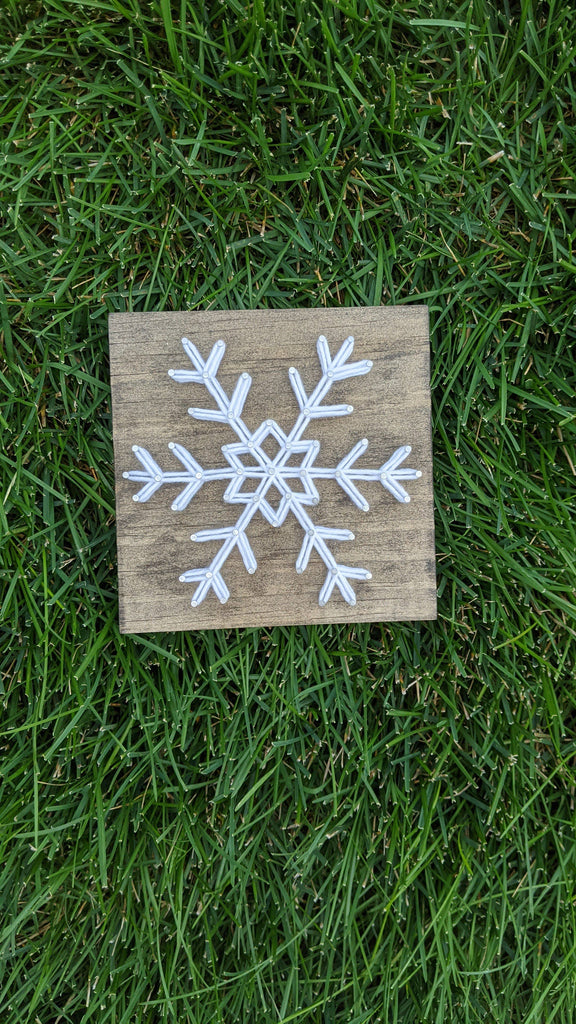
391 407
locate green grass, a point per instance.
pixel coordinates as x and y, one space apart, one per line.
340 824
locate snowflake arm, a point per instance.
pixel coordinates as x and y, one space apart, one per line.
388 474
334 368
210 577
153 477
205 372
315 538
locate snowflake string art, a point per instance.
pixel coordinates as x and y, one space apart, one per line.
273 485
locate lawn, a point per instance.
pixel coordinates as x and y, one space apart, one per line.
337 824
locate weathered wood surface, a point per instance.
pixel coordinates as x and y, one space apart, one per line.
391 407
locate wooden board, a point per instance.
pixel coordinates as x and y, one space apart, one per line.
391 408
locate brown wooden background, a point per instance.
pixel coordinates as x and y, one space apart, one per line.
391 407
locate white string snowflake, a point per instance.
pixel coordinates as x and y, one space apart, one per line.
255 476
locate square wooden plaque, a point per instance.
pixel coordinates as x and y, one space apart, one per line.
394 540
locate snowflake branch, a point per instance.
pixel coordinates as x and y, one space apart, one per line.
153 477
389 474
210 577
338 575
334 368
229 409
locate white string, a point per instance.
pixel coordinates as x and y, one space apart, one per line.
252 473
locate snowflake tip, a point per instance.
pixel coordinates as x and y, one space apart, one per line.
350 408
135 497
171 445
182 579
126 476
171 373
406 499
418 474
